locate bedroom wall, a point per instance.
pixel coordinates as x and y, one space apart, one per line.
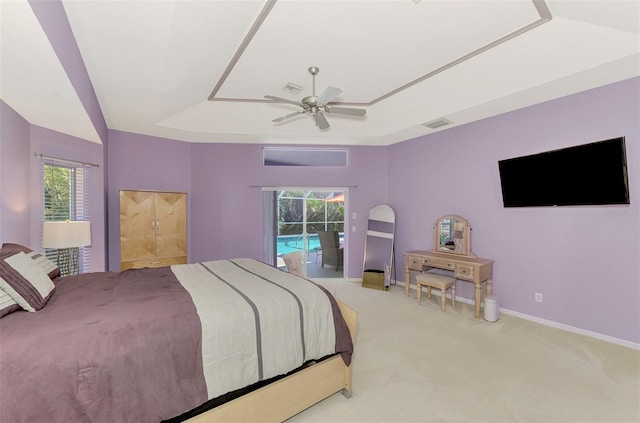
140 162
52 143
15 208
21 210
224 195
584 260
226 212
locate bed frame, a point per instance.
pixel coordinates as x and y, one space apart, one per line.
287 397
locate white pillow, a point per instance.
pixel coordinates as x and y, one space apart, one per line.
25 281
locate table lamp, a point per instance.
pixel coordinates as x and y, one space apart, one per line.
66 237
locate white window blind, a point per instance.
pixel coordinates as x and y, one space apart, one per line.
65 195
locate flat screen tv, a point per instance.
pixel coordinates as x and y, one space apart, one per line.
589 174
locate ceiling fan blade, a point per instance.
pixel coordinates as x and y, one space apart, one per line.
282 100
346 111
328 94
289 116
321 121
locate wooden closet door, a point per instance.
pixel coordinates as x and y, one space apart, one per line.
137 233
171 224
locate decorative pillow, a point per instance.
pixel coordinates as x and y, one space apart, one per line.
24 280
12 246
7 305
49 267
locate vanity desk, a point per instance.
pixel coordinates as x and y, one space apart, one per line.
452 252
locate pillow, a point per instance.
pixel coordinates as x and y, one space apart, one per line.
47 265
12 246
24 280
50 268
7 305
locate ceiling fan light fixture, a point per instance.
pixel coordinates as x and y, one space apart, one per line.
292 88
315 106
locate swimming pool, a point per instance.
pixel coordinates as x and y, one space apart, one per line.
289 243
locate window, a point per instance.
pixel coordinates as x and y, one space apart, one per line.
65 195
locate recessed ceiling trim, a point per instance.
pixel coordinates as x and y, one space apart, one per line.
464 58
243 46
541 7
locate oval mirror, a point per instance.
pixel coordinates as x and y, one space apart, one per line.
453 235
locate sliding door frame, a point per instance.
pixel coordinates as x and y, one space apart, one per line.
270 227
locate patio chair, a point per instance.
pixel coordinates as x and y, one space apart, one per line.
332 254
295 263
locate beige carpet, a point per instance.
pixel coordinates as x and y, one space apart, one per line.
414 363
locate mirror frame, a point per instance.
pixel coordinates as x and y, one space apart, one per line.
465 249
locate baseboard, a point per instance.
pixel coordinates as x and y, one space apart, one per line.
551 323
569 328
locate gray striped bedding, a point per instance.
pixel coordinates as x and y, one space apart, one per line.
271 321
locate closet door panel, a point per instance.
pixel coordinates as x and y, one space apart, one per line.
171 224
137 234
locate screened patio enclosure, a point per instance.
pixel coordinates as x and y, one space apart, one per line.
299 215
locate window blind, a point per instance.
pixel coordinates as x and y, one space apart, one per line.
65 194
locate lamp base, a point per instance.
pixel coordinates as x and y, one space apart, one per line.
68 261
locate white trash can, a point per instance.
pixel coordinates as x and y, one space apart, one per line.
491 308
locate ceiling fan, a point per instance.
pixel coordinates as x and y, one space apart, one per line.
317 106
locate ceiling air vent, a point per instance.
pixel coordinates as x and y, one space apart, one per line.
438 123
292 88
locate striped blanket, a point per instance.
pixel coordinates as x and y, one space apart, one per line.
269 323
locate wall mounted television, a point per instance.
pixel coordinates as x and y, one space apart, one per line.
588 174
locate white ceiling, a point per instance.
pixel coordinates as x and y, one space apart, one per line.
153 64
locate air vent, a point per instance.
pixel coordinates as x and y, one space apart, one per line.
438 123
290 156
292 88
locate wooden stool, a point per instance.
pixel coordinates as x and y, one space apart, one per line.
435 280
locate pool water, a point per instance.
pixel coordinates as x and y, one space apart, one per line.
290 243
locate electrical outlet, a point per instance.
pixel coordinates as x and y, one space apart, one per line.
538 297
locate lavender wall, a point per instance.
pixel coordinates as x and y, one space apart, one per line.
584 260
224 195
15 208
21 210
226 212
55 144
140 162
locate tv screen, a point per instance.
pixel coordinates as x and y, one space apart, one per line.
589 174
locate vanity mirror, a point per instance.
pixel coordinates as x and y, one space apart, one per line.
453 236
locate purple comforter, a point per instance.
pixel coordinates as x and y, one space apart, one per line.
131 352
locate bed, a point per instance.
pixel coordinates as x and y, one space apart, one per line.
167 344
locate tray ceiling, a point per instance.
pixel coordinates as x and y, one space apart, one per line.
154 64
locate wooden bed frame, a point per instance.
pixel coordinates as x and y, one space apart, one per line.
287 397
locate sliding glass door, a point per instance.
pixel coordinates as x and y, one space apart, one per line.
296 216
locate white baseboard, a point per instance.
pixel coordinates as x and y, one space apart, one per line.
569 328
551 323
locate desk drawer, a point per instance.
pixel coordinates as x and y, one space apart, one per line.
464 271
437 262
415 262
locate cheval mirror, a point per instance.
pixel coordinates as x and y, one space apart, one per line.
452 235
379 248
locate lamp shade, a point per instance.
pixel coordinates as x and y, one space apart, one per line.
67 234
